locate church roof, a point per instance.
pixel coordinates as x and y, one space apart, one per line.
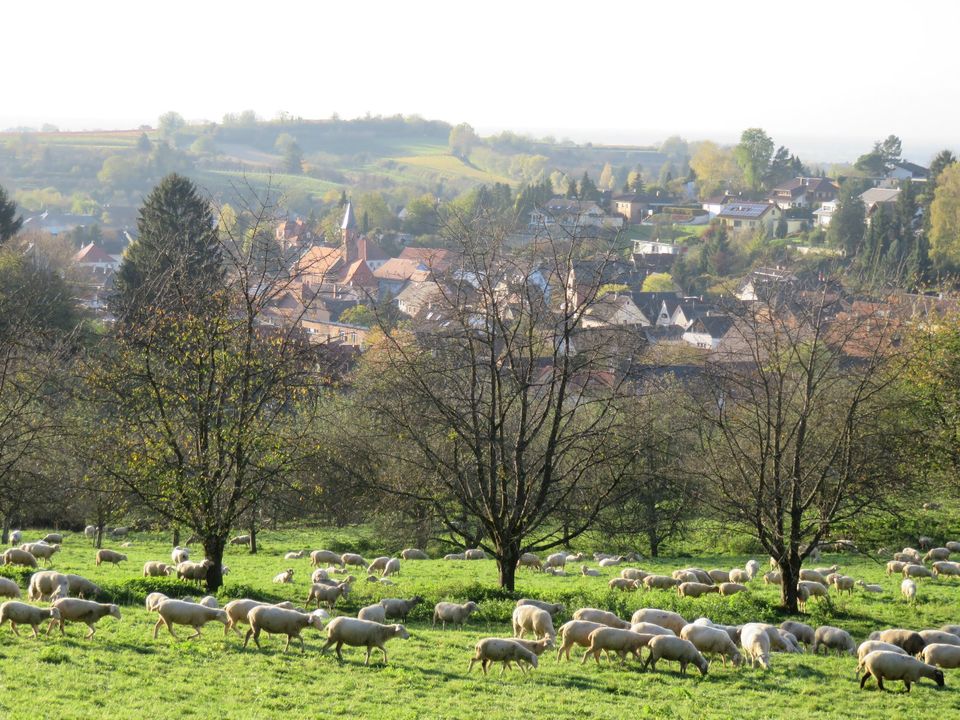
349 221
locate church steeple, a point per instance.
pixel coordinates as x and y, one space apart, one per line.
349 234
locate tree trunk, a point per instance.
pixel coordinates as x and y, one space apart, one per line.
789 576
5 535
98 538
176 536
654 540
507 559
213 550
253 536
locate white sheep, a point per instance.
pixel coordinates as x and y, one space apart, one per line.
602 617
240 540
659 582
664 647
328 594
611 561
869 587
945 655
109 556
774 577
8 588
843 583
41 551
607 639
414 554
392 567
295 555
319 557
695 589
953 629
453 613
352 559
373 613
916 571
752 567
833 638
181 612
81 587
475 554
179 555
238 611
90 532
502 650
16 556
712 640
939 637
807 589
196 571
157 569
361 633
946 567
552 608
15 537
398 609
909 640
19 613
623 584
57 538
648 628
279 621
556 560
664 618
85 611
537 621
953 546
48 585
633 574
869 646
554 572
575 632
813 576
756 644
731 588
801 631
378 564
738 575
908 588
284 577
891 666
588 571
153 601
209 601
938 553
895 567
530 560
719 576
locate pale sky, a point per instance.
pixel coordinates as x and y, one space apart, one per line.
824 77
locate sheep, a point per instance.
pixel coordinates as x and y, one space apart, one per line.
554 572
475 554
556 560
801 631
284 577
756 644
528 617
807 589
664 618
319 557
392 567
622 584
589 572
120 532
925 542
180 612
8 588
90 532
730 588
869 646
179 555
605 639
398 609
870 588
109 556
906 558
530 560
157 569
833 638
81 587
48 586
945 567
752 567
738 575
682 576
813 576
454 556
908 588
362 633
952 546
552 608
279 621
537 647
328 594
41 551
827 570
16 556
939 637
612 561
773 578
15 537
377 565
57 538
453 613
844 583
916 571
575 632
649 628
891 666
938 553
783 641
85 611
602 617
238 611
659 582
373 613
709 639
895 567
209 601
153 601
188 570
695 589
502 650
320 574
414 554
352 559
675 648
909 640
633 574
240 540
945 655
295 555
952 629
19 613
719 576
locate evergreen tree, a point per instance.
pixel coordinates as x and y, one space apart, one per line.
571 189
588 189
143 143
847 227
343 199
10 224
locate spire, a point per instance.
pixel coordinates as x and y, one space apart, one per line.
349 221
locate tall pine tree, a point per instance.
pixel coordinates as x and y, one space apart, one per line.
10 224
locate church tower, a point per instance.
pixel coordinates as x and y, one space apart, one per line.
349 235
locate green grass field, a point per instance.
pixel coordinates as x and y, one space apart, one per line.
124 673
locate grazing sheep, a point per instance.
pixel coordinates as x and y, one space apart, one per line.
945 655
153 601
719 576
664 647
648 628
279 621
773 578
502 650
392 567
285 577
57 538
908 588
453 613
738 575
833 638
938 553
297 555
801 631
16 556
945 567
157 569
589 572
664 618
952 629
530 560
611 561
109 556
19 613
398 609
925 542
602 617
575 632
552 608
827 570
180 612
813 576
633 574
47 586
352 559
752 567
362 633
378 565
909 640
85 611
607 639
807 589
179 555
238 611
414 554
8 588
731 588
843 583
188 570
537 647
709 639
120 532
783 641
622 584
895 567
240 540
682 576
41 551
209 601
373 613
952 546
870 588
537 621
454 556
319 557
556 560
328 594
891 666
659 582
695 589
869 646
90 532
939 637
756 644
475 554
320 574
916 571
906 558
15 537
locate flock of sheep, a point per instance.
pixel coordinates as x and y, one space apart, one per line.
892 654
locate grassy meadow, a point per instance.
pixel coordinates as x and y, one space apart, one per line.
124 673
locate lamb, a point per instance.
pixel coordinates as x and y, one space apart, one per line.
938 553
605 639
284 577
611 562
8 588
153 601
589 572
537 647
179 555
85 611
19 613
240 540
90 531
378 565
925 542
945 655
188 570
602 617
752 567
895 567
952 546
575 632
801 631
47 586
373 613
554 572
552 608
361 633
772 578
695 589
475 554
633 574
537 621
120 532
157 569
738 576
279 621
833 638
454 556
719 576
398 609
352 559
682 576
453 613
502 650
756 644
41 551
530 560
908 588
709 639
392 567
296 555
677 649
869 646
891 666
319 574
319 557
910 641
16 556
939 637
731 588
807 589
870 588
57 538
109 556
328 594
664 618
945 567
916 571
180 612
622 584
414 554
659 582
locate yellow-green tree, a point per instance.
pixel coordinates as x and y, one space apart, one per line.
945 220
716 169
